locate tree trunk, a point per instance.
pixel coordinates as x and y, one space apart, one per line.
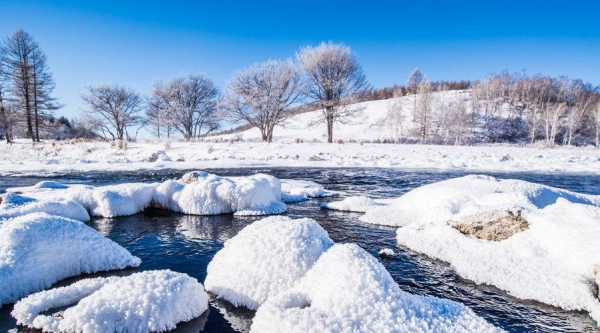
329 113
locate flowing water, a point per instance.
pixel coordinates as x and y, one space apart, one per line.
186 243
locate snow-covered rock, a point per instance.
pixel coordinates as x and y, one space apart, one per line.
386 253
14 205
150 301
37 250
106 201
348 290
210 194
264 259
552 261
353 204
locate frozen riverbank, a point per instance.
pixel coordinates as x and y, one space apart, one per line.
53 157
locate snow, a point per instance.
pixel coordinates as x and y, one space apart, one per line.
353 204
264 259
304 189
37 250
552 261
388 253
18 159
210 194
150 301
348 290
14 205
253 195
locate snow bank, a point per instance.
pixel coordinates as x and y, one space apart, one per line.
14 205
264 259
348 290
210 194
37 250
300 190
150 301
353 204
552 261
105 201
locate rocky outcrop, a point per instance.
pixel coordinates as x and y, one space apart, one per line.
495 225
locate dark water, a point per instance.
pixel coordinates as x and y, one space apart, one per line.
187 243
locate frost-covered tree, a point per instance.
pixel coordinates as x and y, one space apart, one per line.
414 80
112 109
31 81
582 98
334 81
596 120
189 104
5 108
158 119
422 113
262 95
394 119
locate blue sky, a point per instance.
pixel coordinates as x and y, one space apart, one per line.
137 42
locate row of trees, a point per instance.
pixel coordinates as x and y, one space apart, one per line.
263 95
26 87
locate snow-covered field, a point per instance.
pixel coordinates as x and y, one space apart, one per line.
51 157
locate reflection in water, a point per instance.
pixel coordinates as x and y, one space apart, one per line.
167 240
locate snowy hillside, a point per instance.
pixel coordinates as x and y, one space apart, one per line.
375 124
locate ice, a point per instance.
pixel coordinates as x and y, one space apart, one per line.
150 301
353 204
37 250
264 259
348 290
14 205
210 194
386 253
551 261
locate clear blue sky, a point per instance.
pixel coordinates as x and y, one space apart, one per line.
137 42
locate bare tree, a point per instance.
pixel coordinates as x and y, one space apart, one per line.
113 109
158 119
422 114
189 104
335 81
32 83
394 119
262 95
583 100
5 109
596 119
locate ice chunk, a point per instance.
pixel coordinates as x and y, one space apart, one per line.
386 253
552 260
304 188
37 250
210 194
150 301
14 205
348 290
353 204
264 259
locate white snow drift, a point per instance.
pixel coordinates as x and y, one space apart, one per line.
264 259
348 290
150 301
552 261
37 250
14 205
208 195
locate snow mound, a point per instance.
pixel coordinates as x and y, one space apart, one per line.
14 205
37 250
208 194
264 259
352 204
348 290
551 261
150 301
296 189
105 201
